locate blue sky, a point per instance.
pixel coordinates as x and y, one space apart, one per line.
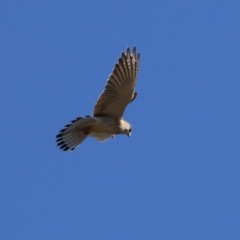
177 176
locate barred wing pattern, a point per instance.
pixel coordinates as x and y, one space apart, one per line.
119 90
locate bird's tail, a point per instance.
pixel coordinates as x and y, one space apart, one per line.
74 133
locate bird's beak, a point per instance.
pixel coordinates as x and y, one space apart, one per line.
129 134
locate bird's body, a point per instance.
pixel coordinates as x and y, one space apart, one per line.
107 115
111 125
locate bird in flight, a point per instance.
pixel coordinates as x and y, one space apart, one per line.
107 114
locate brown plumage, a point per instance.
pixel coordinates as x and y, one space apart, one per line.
108 111
119 90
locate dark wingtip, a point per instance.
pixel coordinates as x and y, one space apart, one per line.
59 135
61 143
63 146
66 148
138 56
59 139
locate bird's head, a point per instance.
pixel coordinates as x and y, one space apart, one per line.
126 128
129 131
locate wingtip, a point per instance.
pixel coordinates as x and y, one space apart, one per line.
134 52
138 56
129 49
59 135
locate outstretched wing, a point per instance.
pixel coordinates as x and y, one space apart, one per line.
119 90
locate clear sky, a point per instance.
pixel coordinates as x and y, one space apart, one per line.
177 176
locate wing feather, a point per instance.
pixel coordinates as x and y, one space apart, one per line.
119 90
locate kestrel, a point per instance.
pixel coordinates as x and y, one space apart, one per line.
107 114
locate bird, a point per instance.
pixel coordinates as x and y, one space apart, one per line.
107 118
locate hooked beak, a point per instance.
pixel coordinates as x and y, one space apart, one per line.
129 134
